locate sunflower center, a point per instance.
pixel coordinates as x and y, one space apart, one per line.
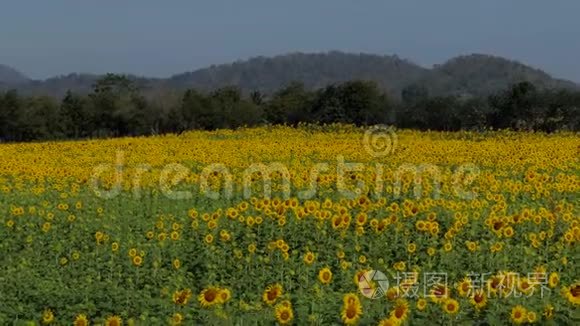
525 285
210 296
399 312
285 315
272 295
575 291
351 312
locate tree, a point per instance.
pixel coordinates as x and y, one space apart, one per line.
232 110
291 104
363 103
414 93
512 108
10 111
39 119
118 107
195 112
75 121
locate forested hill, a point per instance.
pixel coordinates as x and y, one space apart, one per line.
313 70
10 76
465 75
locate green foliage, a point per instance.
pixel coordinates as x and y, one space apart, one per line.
117 106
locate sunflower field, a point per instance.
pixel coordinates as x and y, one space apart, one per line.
303 226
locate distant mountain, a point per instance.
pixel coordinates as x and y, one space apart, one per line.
314 70
11 76
475 74
479 74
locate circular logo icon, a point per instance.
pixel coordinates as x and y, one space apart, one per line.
380 141
373 284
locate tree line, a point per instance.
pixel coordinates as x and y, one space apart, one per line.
116 107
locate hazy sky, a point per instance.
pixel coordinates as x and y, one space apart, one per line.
43 38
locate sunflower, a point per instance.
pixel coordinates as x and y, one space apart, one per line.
350 298
572 293
351 312
47 316
114 321
479 299
336 222
150 235
420 225
393 293
325 275
181 297
439 293
421 304
400 266
518 315
174 235
447 246
137 261
451 306
553 280
209 297
309 258
400 310
431 251
508 232
531 317
81 320
549 311
176 319
224 295
471 246
284 315
525 286
272 293
359 277
496 247
464 287
495 283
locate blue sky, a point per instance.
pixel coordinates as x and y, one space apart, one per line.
161 38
